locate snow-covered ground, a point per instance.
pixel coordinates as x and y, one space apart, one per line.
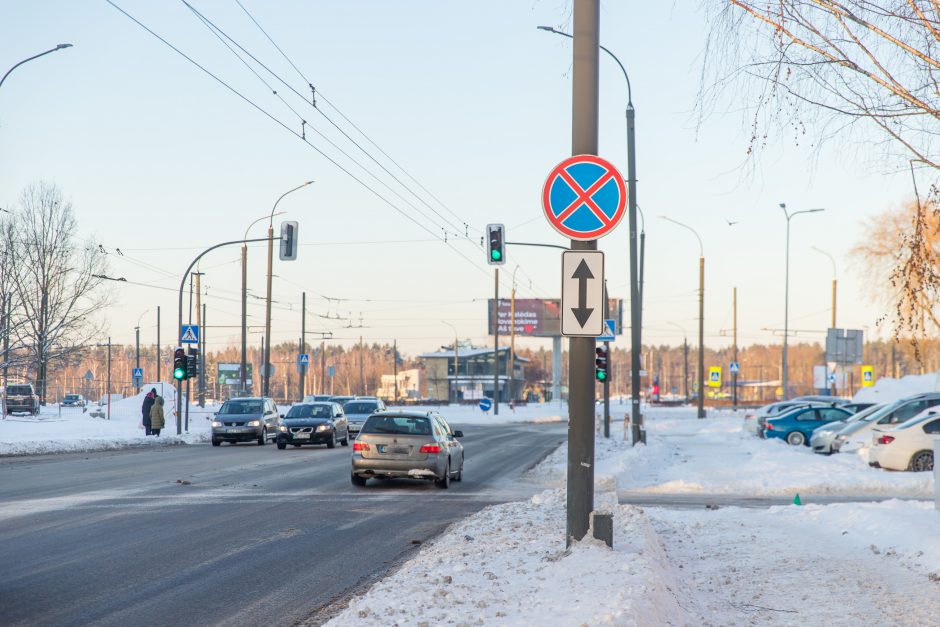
845 563
472 415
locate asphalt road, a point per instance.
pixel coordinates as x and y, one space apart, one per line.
237 535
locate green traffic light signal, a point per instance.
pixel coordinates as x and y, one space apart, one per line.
179 374
601 375
496 255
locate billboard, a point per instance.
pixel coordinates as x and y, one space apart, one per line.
538 317
228 374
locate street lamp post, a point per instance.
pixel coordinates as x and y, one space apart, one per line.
41 54
456 364
701 316
685 360
834 285
267 315
243 374
786 298
636 303
137 342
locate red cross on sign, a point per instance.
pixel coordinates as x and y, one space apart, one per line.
584 197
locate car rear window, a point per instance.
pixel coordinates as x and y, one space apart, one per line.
71 397
234 408
398 425
360 407
19 390
310 411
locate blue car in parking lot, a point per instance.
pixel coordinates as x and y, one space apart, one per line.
797 426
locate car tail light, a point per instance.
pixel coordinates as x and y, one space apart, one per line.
431 448
770 426
361 446
886 439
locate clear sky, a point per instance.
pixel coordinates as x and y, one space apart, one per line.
162 161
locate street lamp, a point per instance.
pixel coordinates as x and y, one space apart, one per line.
636 295
786 296
137 341
456 363
59 47
267 316
243 374
701 316
834 283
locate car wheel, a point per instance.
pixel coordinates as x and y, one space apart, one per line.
216 442
331 443
796 438
345 440
358 481
922 461
281 446
444 482
264 437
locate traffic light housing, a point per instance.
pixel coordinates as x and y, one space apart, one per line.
288 249
495 244
192 363
179 364
600 363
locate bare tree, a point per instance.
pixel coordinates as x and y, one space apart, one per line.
57 284
871 68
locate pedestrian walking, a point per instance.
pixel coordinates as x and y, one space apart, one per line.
157 419
145 409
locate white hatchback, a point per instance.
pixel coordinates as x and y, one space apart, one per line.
909 445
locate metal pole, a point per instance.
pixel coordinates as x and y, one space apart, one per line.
734 375
267 315
701 337
395 366
786 314
322 367
833 303
41 54
158 343
303 343
362 374
636 341
685 369
202 358
606 383
200 384
584 125
496 344
6 341
243 373
137 351
109 379
512 344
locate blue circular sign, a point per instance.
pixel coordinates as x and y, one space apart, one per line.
584 197
486 404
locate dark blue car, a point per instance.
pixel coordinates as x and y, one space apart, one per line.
797 426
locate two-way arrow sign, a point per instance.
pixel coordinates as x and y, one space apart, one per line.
582 293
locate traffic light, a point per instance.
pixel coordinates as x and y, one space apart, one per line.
192 363
495 244
600 363
288 250
179 364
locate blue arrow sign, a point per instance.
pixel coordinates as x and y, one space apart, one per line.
486 404
190 334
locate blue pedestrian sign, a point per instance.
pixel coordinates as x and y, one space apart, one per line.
486 404
584 197
331 371
138 373
610 331
735 367
189 334
303 359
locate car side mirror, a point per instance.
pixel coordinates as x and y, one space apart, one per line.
282 415
458 434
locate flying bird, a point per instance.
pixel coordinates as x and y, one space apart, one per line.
118 251
731 222
102 250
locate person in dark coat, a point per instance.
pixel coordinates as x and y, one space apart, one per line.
157 419
148 404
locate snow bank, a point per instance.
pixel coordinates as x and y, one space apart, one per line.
714 455
887 390
507 565
472 415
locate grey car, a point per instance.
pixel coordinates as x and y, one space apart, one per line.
252 419
358 409
413 445
823 437
858 433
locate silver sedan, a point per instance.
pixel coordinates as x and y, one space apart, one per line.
412 445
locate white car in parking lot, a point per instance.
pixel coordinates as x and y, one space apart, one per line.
907 446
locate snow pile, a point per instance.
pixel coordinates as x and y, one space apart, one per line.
472 415
507 565
887 390
714 455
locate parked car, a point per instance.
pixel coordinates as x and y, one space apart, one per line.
907 446
829 400
250 419
857 407
797 426
823 437
858 434
22 399
316 398
359 409
73 400
776 410
313 423
414 445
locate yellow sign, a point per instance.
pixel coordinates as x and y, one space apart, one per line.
714 377
868 376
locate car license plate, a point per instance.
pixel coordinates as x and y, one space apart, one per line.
302 436
398 450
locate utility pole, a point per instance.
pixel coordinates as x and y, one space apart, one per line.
362 372
243 372
322 367
137 350
158 343
6 340
303 344
200 322
685 367
734 345
584 127
395 366
202 359
701 336
512 343
496 343
267 315
606 383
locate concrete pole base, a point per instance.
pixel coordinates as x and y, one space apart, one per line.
602 524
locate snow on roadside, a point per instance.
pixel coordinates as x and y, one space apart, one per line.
714 455
472 415
507 565
841 564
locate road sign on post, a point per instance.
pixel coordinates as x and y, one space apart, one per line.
610 331
190 334
582 293
735 367
868 376
714 377
584 197
486 404
303 359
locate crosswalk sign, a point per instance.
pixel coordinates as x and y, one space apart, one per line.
868 376
138 373
190 334
735 367
714 377
303 359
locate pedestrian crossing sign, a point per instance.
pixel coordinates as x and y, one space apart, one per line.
714 377
303 359
190 334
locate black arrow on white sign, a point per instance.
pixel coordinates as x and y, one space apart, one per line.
582 312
